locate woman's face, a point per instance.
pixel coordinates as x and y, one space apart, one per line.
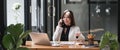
67 19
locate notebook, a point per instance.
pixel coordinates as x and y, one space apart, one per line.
40 38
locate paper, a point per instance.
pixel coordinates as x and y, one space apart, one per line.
67 42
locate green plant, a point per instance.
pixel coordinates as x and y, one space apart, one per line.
109 39
13 39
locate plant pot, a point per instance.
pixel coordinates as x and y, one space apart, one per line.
106 47
91 41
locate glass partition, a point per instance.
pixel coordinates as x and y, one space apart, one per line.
103 17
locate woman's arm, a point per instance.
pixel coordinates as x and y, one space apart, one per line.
57 33
75 31
81 37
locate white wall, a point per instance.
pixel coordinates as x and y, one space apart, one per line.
11 14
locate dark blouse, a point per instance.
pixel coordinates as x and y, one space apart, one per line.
65 34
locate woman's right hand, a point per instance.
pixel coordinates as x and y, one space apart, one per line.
60 22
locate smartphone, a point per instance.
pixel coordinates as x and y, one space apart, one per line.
63 24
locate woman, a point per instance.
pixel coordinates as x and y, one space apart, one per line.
66 29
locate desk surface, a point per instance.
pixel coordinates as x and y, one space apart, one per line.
62 47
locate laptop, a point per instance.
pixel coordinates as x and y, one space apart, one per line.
40 38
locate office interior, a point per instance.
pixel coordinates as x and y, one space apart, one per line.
43 15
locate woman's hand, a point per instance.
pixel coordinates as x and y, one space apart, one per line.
60 22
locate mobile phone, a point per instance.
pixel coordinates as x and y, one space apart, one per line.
63 24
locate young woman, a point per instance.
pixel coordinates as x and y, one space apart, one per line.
66 30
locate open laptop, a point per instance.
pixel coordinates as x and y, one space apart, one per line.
40 38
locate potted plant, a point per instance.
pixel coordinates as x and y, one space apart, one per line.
13 39
109 40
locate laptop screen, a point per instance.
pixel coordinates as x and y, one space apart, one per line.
39 38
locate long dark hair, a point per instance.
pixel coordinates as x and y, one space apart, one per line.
71 16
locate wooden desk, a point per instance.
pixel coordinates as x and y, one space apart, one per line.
63 47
